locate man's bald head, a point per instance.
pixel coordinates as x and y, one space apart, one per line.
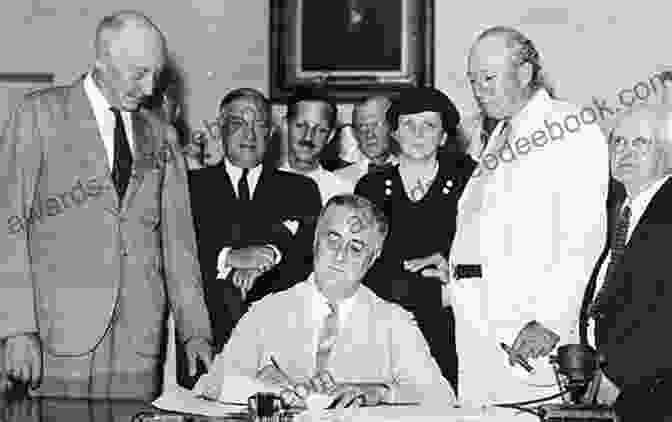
130 54
111 28
640 146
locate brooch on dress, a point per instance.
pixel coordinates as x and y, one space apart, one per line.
447 187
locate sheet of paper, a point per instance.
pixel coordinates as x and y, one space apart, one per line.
416 414
239 388
185 401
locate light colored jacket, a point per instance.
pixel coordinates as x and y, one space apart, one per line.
537 229
379 343
81 257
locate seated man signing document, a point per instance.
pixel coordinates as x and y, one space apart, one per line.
330 334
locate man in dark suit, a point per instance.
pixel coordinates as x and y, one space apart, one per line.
254 223
630 300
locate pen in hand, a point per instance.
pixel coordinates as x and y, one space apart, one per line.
520 360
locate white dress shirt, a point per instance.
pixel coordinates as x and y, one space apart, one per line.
638 205
235 173
105 118
327 182
320 309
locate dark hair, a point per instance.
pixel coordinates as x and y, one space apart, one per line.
419 99
247 93
311 94
523 51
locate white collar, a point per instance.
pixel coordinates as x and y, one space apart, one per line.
235 174
98 100
320 304
316 171
105 117
536 106
640 202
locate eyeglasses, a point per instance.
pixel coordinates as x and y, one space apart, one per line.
638 143
368 127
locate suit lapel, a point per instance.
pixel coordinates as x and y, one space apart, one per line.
262 190
83 128
146 156
662 195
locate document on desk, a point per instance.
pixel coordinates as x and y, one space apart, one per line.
417 414
186 401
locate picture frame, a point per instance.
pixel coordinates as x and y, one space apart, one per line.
351 48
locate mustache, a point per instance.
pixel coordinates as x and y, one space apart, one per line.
307 143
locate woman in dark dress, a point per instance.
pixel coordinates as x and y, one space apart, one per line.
419 196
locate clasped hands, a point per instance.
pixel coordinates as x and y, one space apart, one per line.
248 264
297 394
433 266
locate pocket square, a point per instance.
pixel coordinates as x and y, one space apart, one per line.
292 225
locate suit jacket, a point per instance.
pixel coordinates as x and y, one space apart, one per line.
380 342
536 224
638 304
78 259
221 221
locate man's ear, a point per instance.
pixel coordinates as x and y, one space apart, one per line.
524 72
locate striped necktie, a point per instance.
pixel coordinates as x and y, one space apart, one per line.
618 242
327 338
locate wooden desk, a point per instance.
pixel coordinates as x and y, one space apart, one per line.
81 410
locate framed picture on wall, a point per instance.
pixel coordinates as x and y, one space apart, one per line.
351 47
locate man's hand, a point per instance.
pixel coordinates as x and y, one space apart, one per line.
434 266
260 258
23 360
205 147
323 383
244 279
293 394
198 349
533 341
355 395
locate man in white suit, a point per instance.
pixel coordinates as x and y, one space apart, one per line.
531 219
375 350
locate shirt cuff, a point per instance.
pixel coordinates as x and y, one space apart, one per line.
277 257
223 270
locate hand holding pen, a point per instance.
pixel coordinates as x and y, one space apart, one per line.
514 358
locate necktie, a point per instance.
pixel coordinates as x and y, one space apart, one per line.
327 338
243 187
617 250
123 160
489 125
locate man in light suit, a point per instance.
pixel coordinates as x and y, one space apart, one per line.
100 240
629 305
374 348
531 219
